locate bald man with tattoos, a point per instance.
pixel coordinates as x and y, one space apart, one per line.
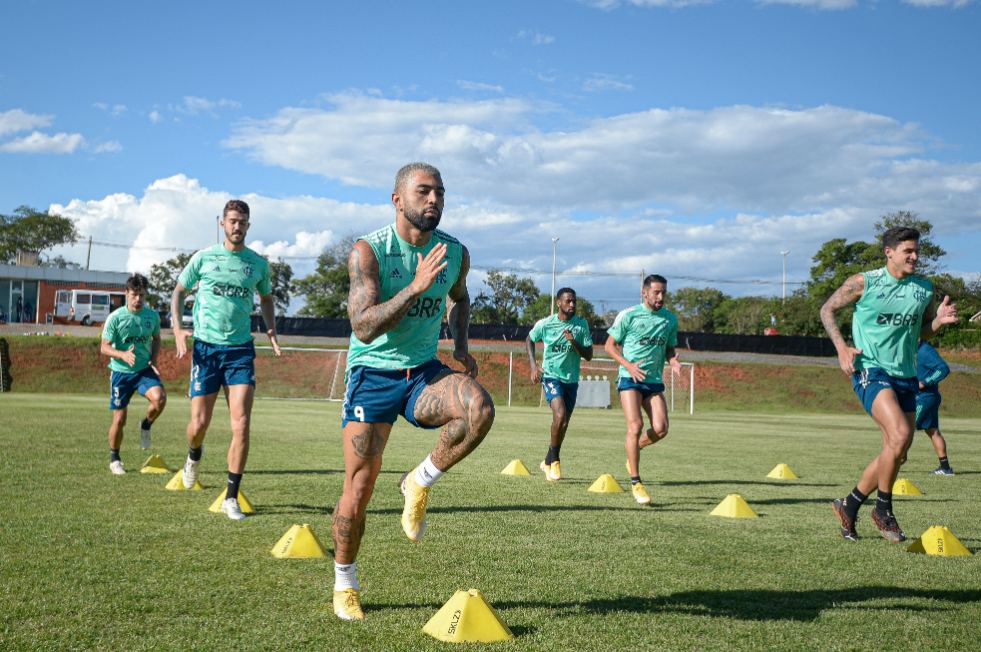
404 277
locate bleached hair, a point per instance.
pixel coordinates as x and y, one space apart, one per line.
403 176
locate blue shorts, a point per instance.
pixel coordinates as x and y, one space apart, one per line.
123 385
381 395
646 389
567 391
214 365
869 382
927 411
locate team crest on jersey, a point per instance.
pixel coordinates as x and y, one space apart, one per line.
248 270
441 277
395 274
148 323
919 295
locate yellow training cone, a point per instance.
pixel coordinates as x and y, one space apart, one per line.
781 472
299 542
243 503
515 468
904 487
154 464
939 540
734 507
468 617
177 483
606 484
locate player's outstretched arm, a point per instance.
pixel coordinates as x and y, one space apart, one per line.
935 317
850 292
177 319
671 355
458 318
155 352
128 356
369 318
268 309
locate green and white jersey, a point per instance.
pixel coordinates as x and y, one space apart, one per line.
227 283
124 329
645 335
413 340
887 322
561 360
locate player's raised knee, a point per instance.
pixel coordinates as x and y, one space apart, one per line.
482 413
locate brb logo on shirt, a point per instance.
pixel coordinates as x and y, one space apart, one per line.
897 319
656 340
231 291
426 307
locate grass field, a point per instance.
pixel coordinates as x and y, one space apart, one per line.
90 561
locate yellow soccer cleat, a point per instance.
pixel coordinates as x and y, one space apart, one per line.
547 470
640 494
347 604
414 513
556 471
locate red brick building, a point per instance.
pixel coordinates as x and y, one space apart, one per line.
33 289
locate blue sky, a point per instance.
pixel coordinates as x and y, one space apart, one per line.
697 140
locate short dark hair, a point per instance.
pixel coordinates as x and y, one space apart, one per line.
654 278
403 175
236 205
136 283
897 234
565 291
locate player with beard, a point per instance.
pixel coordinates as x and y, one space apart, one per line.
894 309
227 275
402 278
648 333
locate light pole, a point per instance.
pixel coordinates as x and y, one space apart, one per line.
554 248
784 274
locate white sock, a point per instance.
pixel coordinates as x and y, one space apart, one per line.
427 474
344 576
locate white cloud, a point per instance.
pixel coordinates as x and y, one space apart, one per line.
608 5
110 146
193 105
601 82
118 110
17 120
38 143
816 4
537 38
956 4
155 116
477 86
101 105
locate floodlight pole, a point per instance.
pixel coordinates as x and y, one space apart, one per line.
785 274
554 249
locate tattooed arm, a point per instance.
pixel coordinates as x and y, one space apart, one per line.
458 317
850 292
369 318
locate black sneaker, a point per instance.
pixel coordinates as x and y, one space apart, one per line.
888 527
941 471
847 523
402 482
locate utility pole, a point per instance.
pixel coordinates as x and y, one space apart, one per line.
643 275
785 274
88 257
217 229
554 249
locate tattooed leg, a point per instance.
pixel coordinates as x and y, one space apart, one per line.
464 407
364 444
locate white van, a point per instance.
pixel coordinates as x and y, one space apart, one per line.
87 306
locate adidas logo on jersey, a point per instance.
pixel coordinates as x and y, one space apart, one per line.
882 295
395 274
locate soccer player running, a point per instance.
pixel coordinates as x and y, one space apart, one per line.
228 276
894 309
648 333
567 342
402 277
131 339
930 371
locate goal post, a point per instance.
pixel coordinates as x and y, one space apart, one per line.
300 374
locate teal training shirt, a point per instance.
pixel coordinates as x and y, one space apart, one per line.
227 284
124 329
887 322
645 335
560 359
413 340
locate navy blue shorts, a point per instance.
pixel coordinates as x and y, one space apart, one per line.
927 411
381 395
869 382
646 389
214 365
123 385
567 391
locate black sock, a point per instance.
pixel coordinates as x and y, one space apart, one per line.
944 464
195 453
635 479
883 503
548 457
553 452
234 480
853 501
145 424
114 455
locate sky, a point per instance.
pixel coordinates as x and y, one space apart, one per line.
697 140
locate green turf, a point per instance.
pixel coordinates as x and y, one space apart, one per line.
89 561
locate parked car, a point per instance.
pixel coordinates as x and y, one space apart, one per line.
187 320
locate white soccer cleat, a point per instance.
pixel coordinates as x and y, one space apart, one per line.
117 468
144 437
230 507
190 474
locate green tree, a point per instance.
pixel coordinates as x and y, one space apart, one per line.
799 314
59 262
163 280
744 316
930 252
541 307
28 229
325 290
281 277
509 297
695 308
